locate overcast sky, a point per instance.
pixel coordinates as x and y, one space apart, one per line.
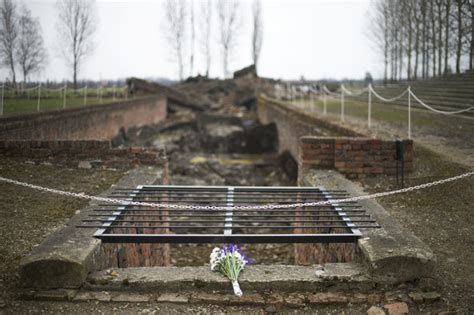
314 39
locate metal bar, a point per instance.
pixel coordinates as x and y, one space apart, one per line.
234 238
224 188
247 197
217 211
236 216
214 193
222 226
108 224
229 213
226 224
224 202
348 221
229 221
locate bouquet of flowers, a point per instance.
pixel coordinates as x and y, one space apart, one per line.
229 261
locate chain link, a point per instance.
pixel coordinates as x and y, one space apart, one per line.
249 207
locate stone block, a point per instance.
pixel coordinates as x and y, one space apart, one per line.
275 299
328 298
173 298
295 300
55 295
400 308
131 298
85 296
247 299
374 310
68 255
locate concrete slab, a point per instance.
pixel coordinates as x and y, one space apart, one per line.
256 278
67 256
392 253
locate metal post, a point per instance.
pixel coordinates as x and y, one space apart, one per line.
3 92
370 106
85 95
65 94
409 112
114 93
325 109
100 95
342 103
39 96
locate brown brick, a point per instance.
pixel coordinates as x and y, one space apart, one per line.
327 298
275 299
374 298
247 299
295 300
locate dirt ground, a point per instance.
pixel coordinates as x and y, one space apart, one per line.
29 216
442 217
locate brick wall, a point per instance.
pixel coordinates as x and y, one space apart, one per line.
349 152
354 157
97 152
293 124
89 122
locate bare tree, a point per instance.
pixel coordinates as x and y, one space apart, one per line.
257 31
175 27
439 11
76 26
471 58
206 26
8 35
30 52
193 39
379 32
227 11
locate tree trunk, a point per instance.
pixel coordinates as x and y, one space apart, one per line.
471 60
440 39
459 37
446 36
409 48
12 69
433 38
417 50
423 39
74 75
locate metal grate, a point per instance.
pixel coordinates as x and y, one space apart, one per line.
335 223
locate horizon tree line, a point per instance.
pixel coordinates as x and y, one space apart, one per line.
225 17
22 44
419 39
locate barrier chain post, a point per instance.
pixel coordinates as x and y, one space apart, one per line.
409 112
3 92
65 94
39 96
325 109
369 111
342 102
85 95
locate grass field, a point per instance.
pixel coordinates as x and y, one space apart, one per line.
25 105
397 116
28 101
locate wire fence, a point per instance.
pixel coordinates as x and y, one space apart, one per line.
41 97
297 96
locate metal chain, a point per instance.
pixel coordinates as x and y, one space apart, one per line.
260 207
